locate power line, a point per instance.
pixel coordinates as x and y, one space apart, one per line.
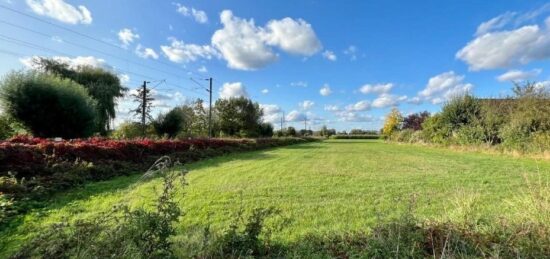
81 34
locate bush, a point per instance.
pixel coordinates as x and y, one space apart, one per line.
470 135
414 121
461 111
355 137
48 106
435 131
169 124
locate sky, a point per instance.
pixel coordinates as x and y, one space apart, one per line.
343 64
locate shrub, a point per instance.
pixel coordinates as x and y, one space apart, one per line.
470 135
460 111
435 131
414 121
392 123
48 106
404 135
339 136
169 124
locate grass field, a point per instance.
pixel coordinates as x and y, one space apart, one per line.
334 186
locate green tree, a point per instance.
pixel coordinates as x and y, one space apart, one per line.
102 85
238 117
199 122
171 123
48 105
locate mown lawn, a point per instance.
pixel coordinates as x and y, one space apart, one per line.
320 188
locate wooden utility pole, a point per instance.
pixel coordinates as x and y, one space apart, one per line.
210 110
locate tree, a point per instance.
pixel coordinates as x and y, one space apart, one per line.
102 85
145 100
238 117
266 130
460 111
47 105
171 123
291 132
392 123
414 121
199 122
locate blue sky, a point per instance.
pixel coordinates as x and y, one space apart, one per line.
340 64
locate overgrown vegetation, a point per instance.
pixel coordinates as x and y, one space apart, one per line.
521 122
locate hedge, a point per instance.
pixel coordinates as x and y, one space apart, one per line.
355 136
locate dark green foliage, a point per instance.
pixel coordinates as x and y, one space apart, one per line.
10 127
290 132
47 105
460 111
265 130
238 117
171 123
102 85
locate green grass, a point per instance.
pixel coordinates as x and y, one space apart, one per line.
334 186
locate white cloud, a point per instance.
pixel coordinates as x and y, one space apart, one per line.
295 116
199 15
143 52
515 75
388 100
329 55
377 88
202 69
495 23
61 11
265 91
124 79
293 36
299 84
246 46
443 87
543 85
127 36
272 113
502 49
235 89
72 62
306 105
325 90
359 106
351 51
178 51
350 116
332 108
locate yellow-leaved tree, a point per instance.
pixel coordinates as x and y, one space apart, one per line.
392 123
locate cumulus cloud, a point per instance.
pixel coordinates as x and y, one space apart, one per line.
143 52
271 113
506 48
359 106
351 116
443 87
91 61
515 75
179 52
388 100
377 88
306 105
127 36
329 55
61 11
235 89
543 85
199 15
332 108
295 116
325 90
265 91
246 46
